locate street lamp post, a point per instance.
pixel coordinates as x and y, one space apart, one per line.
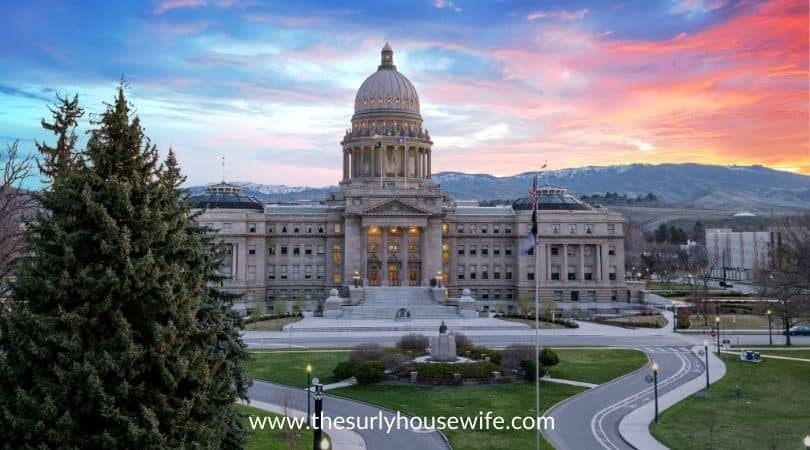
309 383
356 279
655 387
770 334
807 441
717 323
706 354
317 433
439 279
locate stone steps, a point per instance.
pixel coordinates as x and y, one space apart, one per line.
385 302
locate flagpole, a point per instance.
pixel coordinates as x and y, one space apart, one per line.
536 321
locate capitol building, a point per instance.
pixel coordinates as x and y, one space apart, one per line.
391 237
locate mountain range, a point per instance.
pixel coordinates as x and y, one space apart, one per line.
753 188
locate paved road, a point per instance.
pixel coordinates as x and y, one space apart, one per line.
375 438
591 420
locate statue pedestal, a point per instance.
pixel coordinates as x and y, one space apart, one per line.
333 306
443 348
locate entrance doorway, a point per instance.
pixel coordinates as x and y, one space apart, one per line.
413 274
373 274
393 275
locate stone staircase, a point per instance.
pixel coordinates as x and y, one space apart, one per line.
384 302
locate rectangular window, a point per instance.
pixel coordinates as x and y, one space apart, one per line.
497 294
460 249
271 250
320 272
588 228
507 229
574 296
283 249
226 227
496 229
297 250
588 272
251 227
485 250
445 228
460 271
530 273
473 249
555 251
507 250
612 273
484 271
271 228
319 249
587 250
251 273
307 272
611 250
558 296
283 272
555 272
271 272
473 228
310 228
614 296
508 274
472 271
320 229
483 229
338 227
484 294
496 273
271 295
555 228
308 249
460 229
611 228
496 250
296 228
572 228
571 251
445 254
252 250
591 296
336 278
572 273
393 248
296 272
337 254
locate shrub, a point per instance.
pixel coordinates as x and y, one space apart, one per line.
512 356
369 372
394 361
366 352
344 369
463 343
528 368
482 352
443 372
548 358
416 343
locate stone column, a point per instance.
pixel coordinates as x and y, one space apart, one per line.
605 262
428 163
581 270
540 271
404 249
548 262
432 244
597 257
352 252
364 260
384 268
564 268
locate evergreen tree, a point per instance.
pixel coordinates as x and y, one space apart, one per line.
58 160
118 336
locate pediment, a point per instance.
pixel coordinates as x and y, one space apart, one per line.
394 208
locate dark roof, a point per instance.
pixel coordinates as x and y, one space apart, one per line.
225 196
551 198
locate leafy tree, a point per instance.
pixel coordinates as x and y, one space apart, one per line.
118 336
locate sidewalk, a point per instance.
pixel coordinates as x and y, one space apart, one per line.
341 439
571 382
635 427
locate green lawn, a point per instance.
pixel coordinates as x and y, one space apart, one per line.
289 367
272 324
631 321
267 439
736 322
508 400
778 351
596 366
771 413
530 322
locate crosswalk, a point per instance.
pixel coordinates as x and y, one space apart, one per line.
665 349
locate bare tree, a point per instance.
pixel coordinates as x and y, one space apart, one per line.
789 277
664 260
699 264
16 207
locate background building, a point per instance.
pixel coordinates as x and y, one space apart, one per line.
737 255
391 225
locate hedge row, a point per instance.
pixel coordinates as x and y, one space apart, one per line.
430 372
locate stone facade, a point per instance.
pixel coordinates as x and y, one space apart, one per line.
391 225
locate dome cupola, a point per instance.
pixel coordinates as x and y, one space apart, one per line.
386 90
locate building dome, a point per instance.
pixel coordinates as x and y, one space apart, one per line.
552 198
386 90
225 196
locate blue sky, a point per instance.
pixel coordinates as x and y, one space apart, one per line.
270 85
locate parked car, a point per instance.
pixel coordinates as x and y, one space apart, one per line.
799 331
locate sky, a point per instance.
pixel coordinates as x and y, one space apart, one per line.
504 85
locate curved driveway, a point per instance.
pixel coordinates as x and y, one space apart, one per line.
339 407
591 419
